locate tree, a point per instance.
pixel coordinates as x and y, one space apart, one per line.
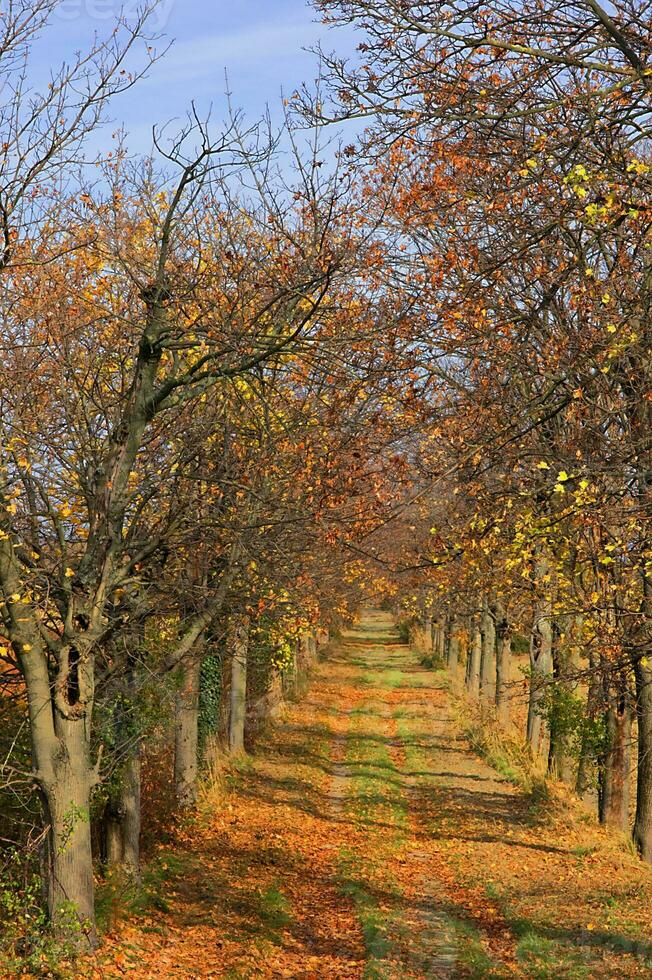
521 134
180 285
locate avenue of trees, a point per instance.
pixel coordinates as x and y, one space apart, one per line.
509 149
244 391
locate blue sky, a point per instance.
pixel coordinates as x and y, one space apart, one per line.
259 43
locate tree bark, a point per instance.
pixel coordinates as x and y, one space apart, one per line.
503 663
239 643
615 768
436 636
122 811
474 658
427 633
446 637
453 646
322 638
71 904
488 653
306 652
556 746
440 644
290 678
123 819
642 833
559 759
187 735
61 753
540 664
587 757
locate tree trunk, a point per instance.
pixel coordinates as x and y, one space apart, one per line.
274 696
446 637
615 769
60 727
556 743
453 647
540 665
587 757
239 642
71 902
290 678
503 663
306 652
474 658
427 633
436 634
440 640
639 644
313 648
643 823
322 637
122 819
113 833
488 653
122 811
559 759
187 735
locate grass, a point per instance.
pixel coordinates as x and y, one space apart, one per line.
548 947
120 896
545 959
385 759
239 768
373 796
274 913
370 763
541 958
385 680
368 758
471 954
506 753
373 920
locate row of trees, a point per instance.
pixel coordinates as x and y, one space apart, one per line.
509 149
233 390
194 415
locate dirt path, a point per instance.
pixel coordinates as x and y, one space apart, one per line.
364 839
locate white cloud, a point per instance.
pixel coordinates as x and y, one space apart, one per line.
253 48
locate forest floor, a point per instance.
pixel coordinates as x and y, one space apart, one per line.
363 838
